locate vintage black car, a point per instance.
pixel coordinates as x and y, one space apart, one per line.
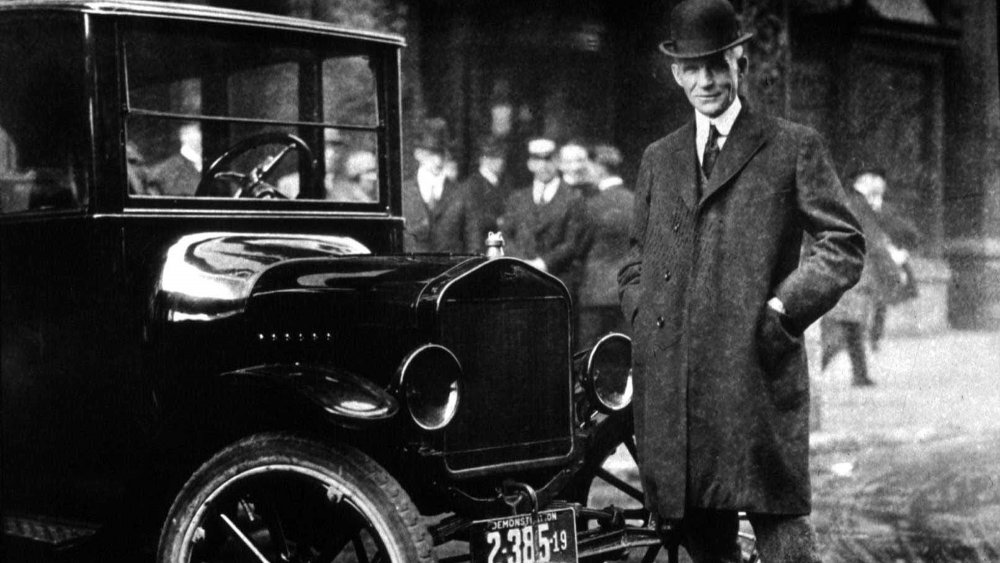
213 346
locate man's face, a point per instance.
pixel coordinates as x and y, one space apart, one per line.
872 186
431 160
543 169
711 84
574 164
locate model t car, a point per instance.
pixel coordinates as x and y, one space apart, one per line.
213 346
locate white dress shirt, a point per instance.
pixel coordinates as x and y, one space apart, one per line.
543 193
192 156
489 175
610 182
431 185
723 124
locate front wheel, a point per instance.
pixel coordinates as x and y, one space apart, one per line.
280 498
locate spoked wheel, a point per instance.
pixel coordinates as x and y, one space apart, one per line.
278 498
610 478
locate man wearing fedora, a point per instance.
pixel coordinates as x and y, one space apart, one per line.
719 290
433 205
485 194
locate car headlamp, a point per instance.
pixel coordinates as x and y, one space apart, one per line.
607 377
429 384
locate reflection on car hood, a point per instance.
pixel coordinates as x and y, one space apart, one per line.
207 276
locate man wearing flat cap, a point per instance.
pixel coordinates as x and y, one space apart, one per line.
719 290
544 224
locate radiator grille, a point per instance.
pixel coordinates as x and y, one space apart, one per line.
515 404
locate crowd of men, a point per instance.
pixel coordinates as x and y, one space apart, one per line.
572 221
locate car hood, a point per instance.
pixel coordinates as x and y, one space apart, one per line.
208 276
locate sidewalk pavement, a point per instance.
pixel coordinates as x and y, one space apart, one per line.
909 470
942 384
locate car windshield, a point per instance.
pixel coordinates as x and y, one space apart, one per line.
217 112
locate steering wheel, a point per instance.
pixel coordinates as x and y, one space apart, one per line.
254 183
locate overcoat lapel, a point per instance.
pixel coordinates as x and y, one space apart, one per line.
746 138
681 166
447 194
548 213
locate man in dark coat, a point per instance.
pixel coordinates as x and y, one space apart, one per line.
609 213
434 207
719 292
179 174
903 236
486 197
544 224
844 327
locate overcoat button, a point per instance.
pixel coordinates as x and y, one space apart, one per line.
676 226
659 322
666 276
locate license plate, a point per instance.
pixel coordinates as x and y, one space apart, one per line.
545 537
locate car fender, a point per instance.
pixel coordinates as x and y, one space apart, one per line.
340 396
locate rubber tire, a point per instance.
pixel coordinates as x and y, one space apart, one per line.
393 513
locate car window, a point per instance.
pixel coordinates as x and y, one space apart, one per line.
43 127
221 113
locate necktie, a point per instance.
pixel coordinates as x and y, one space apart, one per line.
711 151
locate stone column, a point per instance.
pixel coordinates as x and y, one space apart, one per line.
973 198
768 86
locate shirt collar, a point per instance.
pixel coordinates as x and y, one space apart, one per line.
192 156
724 123
431 185
489 175
545 192
609 182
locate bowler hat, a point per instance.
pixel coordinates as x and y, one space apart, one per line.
434 136
491 147
699 28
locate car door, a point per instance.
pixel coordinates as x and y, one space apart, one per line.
62 394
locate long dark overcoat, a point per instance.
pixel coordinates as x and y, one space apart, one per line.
721 389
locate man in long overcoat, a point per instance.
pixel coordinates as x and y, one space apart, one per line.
719 292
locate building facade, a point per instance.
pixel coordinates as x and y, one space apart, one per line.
909 86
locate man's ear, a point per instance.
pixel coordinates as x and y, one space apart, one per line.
675 69
743 64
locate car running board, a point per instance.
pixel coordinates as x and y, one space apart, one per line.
55 532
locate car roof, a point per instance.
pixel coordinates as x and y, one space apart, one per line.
200 13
